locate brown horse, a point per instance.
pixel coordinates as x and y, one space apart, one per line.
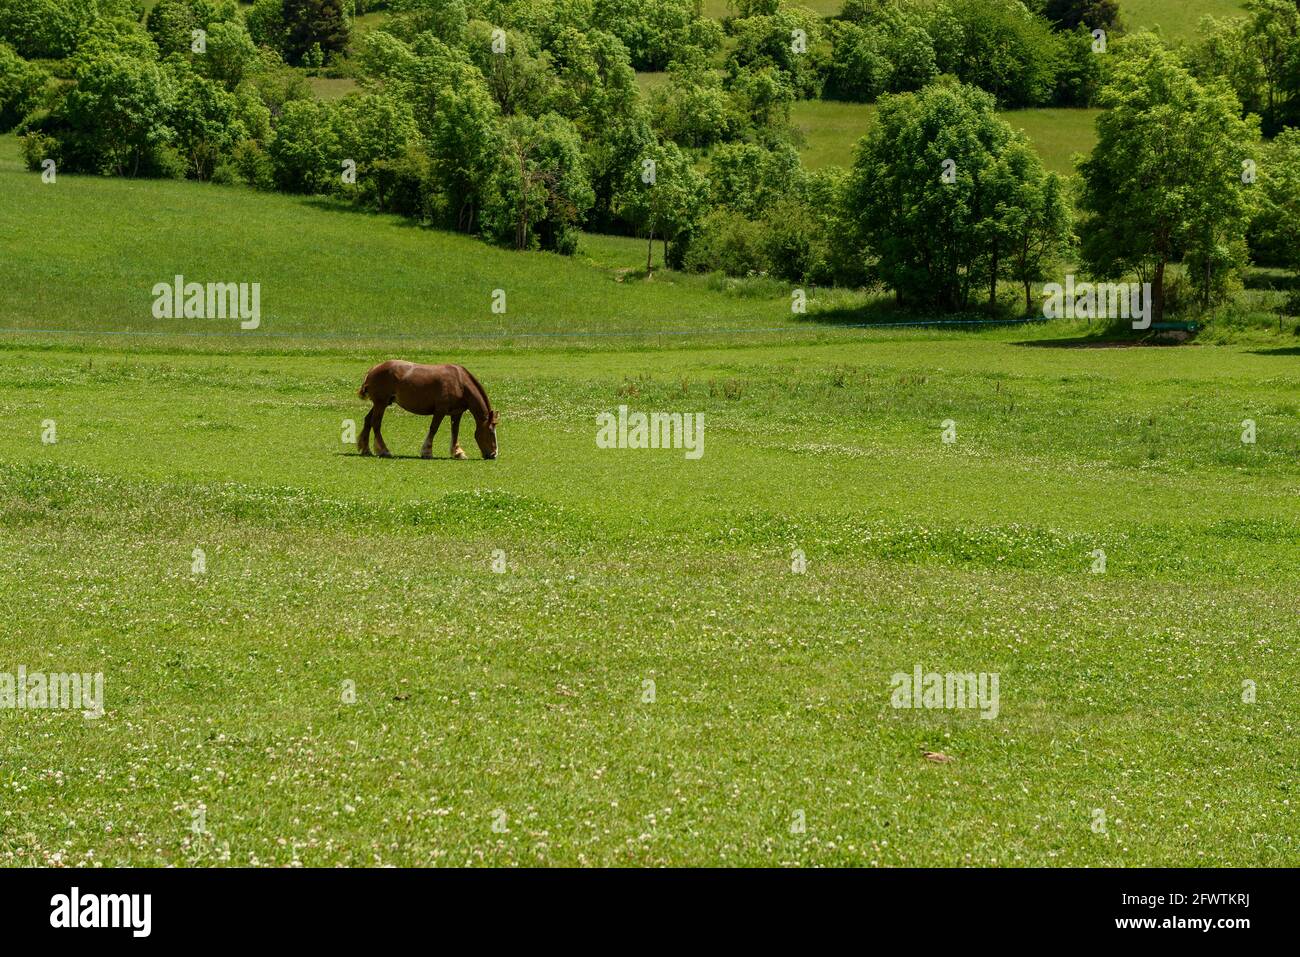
428 390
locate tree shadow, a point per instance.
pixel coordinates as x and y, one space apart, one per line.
885 314
1281 351
1272 281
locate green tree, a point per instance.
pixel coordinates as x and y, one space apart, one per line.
663 196
116 117
304 151
375 131
920 207
203 117
1031 229
544 192
999 46
21 84
310 24
1165 178
231 54
1275 231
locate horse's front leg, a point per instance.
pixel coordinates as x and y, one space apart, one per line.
377 419
427 451
456 451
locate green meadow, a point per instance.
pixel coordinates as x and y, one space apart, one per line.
830 130
575 655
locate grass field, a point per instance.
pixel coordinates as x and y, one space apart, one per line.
831 129
522 699
1176 19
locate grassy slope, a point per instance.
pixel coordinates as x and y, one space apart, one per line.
831 129
1176 19
523 692
418 282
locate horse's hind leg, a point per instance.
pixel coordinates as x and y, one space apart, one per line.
363 440
427 451
376 420
456 451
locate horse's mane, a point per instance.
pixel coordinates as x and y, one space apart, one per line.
478 385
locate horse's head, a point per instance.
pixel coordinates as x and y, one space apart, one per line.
485 434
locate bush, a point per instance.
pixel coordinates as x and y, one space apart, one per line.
21 84
37 148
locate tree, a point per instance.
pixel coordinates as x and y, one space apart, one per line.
518 76
1092 14
791 41
117 116
656 33
304 151
231 54
693 108
998 46
1165 178
203 117
920 207
54 29
375 131
663 195
1275 232
267 26
544 193
1032 220
21 84
315 23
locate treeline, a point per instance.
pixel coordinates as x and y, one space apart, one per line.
521 121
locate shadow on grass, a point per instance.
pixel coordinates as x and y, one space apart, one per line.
1272 281
1283 351
409 458
886 314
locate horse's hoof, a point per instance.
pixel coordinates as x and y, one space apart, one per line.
385 454
365 452
426 453
459 454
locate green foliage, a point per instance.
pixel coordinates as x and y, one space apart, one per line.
316 28
267 26
1165 180
693 108
519 76
663 195
21 84
304 151
656 33
117 117
939 196
1089 14
56 28
231 54
1275 231
542 192
998 46
1259 57
890 52
203 119
791 41
376 131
